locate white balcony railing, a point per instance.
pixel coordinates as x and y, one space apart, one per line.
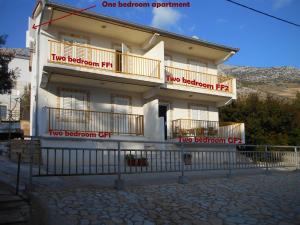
190 78
100 59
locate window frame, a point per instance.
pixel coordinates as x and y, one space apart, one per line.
87 111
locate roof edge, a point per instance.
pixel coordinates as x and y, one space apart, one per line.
140 27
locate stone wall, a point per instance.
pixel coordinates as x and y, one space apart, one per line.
23 147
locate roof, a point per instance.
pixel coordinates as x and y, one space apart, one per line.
144 28
17 52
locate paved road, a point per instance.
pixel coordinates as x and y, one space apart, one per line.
256 199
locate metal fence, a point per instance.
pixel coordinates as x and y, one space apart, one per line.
119 160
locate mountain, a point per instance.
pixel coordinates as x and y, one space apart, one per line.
278 81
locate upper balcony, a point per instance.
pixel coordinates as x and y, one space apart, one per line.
102 64
193 81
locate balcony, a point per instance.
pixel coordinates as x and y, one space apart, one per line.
99 60
70 120
201 81
203 128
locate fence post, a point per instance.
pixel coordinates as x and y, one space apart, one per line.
18 173
267 158
229 161
182 179
30 165
119 183
296 159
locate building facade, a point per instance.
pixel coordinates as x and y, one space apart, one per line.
97 77
11 101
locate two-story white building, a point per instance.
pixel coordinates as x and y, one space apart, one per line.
100 77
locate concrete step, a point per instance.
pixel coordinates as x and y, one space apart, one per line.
13 209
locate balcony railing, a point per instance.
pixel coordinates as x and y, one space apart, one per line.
94 121
190 78
101 59
203 128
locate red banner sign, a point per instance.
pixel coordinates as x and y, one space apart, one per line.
84 134
211 140
218 87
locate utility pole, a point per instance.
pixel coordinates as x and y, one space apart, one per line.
9 124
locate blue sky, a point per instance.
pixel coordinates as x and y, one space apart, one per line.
263 41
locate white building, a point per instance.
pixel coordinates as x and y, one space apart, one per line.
11 101
99 77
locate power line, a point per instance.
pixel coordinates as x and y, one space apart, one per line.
266 14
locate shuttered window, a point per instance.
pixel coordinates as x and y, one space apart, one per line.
74 104
72 48
198 71
121 121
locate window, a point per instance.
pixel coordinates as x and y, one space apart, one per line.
121 104
199 112
198 71
3 112
73 48
199 116
74 104
197 66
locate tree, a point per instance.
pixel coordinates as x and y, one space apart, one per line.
25 103
267 121
7 76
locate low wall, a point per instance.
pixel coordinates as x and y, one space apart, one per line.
24 147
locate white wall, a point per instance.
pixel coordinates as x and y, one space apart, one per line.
182 61
152 123
157 52
180 109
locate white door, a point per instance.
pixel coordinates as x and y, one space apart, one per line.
127 62
199 116
121 120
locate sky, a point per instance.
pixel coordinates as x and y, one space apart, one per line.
263 41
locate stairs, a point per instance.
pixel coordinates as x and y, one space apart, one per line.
13 209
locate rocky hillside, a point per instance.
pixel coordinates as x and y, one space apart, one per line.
279 81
